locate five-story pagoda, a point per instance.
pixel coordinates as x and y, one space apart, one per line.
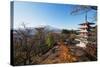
85 32
86 28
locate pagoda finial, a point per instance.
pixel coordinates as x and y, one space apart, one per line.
86 17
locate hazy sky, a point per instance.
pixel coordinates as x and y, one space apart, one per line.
55 15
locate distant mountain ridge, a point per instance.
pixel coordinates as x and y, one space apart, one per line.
33 29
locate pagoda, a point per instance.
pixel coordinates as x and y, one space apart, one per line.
86 28
85 32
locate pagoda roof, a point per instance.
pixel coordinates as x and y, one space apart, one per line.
87 23
85 27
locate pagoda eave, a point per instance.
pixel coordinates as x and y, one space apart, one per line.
86 28
87 23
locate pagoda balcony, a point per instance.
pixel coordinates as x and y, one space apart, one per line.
83 27
83 35
83 31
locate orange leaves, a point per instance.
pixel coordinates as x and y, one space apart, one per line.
65 54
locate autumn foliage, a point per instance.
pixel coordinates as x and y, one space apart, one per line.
65 54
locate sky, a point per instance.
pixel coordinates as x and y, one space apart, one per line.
34 14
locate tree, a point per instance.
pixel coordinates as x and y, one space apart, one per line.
64 31
25 51
39 38
50 40
84 9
